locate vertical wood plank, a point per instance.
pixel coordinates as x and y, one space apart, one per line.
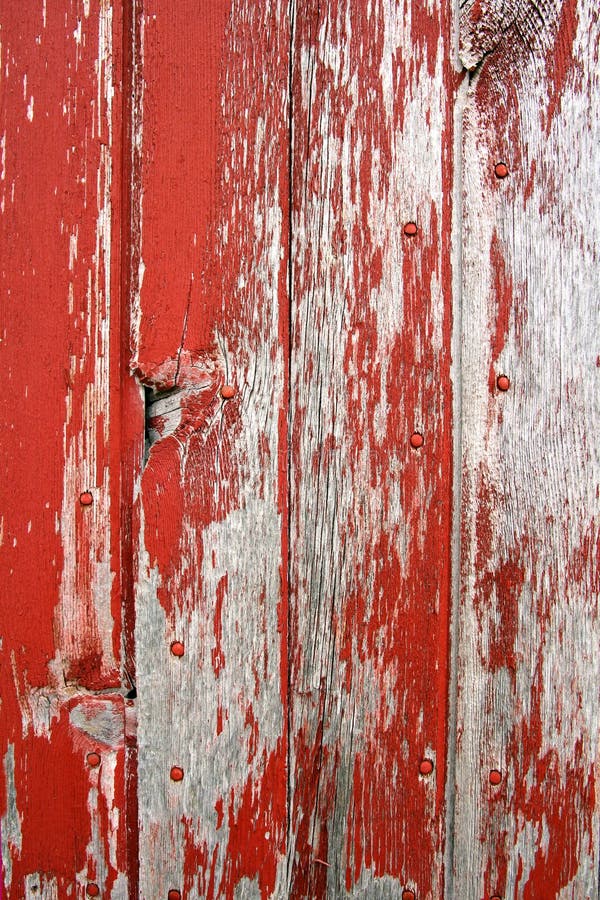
62 562
528 632
372 97
212 313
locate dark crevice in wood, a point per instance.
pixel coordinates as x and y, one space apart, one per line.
129 262
288 525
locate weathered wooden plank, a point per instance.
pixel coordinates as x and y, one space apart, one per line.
372 96
62 445
212 315
528 619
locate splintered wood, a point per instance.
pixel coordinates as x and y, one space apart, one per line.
325 624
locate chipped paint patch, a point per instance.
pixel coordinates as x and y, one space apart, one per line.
11 834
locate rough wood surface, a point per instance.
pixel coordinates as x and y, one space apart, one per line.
528 661
213 309
63 563
255 276
372 114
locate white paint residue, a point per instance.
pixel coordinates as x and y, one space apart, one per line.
107 788
30 109
73 248
3 157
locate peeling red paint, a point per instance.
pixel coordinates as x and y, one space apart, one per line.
525 711
275 255
64 550
561 61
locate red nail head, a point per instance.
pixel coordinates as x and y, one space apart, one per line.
174 895
501 170
227 391
495 776
86 498
503 382
92 889
93 760
416 440
410 229
496 897
176 773
177 648
425 767
408 895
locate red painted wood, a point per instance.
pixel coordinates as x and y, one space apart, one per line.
251 208
212 330
63 558
371 470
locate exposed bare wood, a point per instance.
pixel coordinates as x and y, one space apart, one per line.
212 351
372 98
528 648
359 294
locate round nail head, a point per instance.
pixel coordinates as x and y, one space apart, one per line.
227 391
86 498
177 648
426 767
501 170
410 229
495 776
93 760
416 440
176 773
503 382
92 889
174 895
408 895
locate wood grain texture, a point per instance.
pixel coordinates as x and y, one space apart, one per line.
62 563
372 95
212 310
528 631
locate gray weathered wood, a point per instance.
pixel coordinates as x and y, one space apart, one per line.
528 645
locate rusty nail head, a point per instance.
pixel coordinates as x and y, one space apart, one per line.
426 767
495 776
86 498
408 895
176 773
227 391
501 170
92 889
174 894
177 648
93 760
503 382
416 440
410 229
496 897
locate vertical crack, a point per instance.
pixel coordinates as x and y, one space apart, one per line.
290 287
184 328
